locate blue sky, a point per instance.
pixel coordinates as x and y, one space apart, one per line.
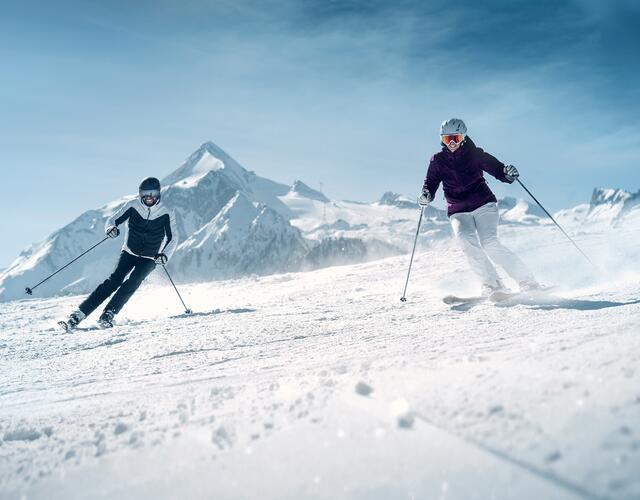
96 95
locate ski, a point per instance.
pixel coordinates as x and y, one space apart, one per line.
455 299
497 297
67 328
502 295
506 295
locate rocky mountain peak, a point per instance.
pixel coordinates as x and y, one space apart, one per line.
301 189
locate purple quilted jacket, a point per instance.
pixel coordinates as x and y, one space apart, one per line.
461 175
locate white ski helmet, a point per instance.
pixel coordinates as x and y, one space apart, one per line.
453 126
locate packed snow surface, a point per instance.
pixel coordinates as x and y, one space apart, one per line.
324 385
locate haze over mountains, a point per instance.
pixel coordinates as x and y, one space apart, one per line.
232 223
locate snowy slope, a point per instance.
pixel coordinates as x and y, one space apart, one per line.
324 385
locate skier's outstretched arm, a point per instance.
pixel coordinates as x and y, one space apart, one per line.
493 166
121 215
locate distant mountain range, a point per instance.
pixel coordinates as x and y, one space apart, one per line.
232 222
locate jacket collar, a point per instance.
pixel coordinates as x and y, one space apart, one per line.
151 210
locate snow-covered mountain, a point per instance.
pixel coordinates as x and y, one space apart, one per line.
520 211
207 181
299 188
612 205
400 201
609 207
397 200
201 191
244 237
388 223
232 222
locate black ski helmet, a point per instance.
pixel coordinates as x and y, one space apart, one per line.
150 186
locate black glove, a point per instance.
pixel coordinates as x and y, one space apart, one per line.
511 173
112 232
161 258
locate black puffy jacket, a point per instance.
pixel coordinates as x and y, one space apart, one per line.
150 230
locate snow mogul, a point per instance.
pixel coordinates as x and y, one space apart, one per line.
472 207
150 239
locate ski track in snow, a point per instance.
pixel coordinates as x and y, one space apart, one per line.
325 366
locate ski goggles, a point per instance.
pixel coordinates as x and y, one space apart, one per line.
152 193
150 197
455 138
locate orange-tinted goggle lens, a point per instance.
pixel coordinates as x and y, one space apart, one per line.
448 138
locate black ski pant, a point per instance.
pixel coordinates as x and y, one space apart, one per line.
139 267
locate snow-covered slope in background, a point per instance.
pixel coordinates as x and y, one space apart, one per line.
517 211
609 209
378 223
613 205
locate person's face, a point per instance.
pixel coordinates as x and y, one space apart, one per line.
452 141
150 197
149 200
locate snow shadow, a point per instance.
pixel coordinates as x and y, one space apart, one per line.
555 303
242 346
468 305
215 312
106 343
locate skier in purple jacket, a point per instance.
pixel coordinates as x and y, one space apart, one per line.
472 207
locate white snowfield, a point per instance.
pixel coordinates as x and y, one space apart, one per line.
324 385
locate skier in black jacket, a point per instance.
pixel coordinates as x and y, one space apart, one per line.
150 239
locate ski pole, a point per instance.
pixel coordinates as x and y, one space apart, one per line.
404 294
186 309
29 290
558 225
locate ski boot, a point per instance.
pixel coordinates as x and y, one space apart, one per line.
74 319
106 319
532 286
489 289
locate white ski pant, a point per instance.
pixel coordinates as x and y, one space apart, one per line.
477 234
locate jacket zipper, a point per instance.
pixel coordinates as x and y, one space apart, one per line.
146 229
